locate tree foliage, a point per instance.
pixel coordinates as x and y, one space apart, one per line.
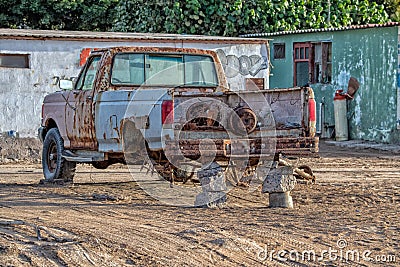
392 7
94 15
210 17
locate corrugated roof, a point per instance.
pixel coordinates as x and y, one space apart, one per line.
352 27
118 36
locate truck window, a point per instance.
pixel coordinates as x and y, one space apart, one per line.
128 69
86 80
163 69
200 70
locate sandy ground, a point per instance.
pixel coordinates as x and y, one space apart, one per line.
350 217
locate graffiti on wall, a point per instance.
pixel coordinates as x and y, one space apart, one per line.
243 65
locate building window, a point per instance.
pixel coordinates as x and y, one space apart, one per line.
323 62
279 51
302 63
14 60
312 63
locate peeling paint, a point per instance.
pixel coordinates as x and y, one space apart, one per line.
357 111
343 78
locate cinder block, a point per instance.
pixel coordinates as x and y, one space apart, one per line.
279 180
280 200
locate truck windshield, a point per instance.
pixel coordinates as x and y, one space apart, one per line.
163 69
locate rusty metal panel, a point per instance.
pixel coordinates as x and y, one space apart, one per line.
54 110
139 107
79 120
304 146
288 108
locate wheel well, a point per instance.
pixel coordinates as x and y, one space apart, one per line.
49 125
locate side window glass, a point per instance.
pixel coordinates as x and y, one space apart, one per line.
200 70
87 78
128 69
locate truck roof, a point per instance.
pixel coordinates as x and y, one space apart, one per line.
143 49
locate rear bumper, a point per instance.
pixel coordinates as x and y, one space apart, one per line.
246 148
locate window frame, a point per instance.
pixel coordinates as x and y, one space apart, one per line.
326 62
324 76
27 59
82 75
309 59
282 47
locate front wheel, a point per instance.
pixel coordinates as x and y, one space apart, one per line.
55 167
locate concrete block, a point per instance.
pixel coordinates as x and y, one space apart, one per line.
279 180
280 200
214 183
205 199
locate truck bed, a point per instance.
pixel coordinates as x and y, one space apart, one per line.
283 115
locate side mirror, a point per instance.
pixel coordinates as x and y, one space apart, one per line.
65 84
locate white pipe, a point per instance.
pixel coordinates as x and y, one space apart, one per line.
319 129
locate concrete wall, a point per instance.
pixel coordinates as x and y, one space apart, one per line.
22 90
371 56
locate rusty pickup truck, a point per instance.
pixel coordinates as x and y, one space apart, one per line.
171 107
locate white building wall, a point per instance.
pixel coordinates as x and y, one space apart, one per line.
23 90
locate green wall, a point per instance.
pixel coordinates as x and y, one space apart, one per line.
369 55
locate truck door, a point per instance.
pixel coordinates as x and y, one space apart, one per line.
79 115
